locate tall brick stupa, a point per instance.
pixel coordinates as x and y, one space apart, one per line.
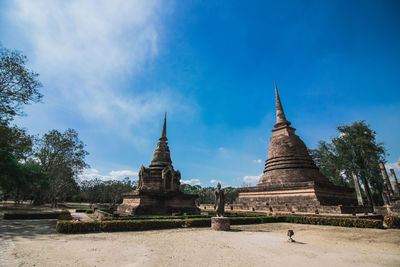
291 182
158 190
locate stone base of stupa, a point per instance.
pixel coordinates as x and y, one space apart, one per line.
301 198
157 203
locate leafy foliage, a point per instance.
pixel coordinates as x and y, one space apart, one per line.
97 191
207 195
354 150
150 224
18 85
392 221
62 156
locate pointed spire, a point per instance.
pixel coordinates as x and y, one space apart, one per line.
280 115
164 129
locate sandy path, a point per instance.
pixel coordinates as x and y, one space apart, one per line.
251 245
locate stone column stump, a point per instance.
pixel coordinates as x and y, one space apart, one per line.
220 223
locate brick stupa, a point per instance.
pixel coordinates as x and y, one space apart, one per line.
158 191
291 182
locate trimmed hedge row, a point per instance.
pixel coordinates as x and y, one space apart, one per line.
139 225
335 221
392 221
135 218
236 213
63 215
115 226
202 222
84 210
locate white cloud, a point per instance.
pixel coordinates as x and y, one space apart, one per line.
86 51
123 173
213 181
257 160
251 180
91 173
191 182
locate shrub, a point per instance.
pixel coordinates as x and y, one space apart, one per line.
71 227
344 222
136 218
149 223
245 220
198 222
392 221
37 215
84 210
115 226
64 216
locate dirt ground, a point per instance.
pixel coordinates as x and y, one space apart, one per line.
35 243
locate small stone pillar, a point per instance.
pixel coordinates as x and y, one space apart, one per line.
220 223
386 179
358 190
395 182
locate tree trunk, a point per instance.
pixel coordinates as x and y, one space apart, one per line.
367 190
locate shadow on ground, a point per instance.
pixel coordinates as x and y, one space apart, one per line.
250 230
33 229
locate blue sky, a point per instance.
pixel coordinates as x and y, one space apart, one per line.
110 70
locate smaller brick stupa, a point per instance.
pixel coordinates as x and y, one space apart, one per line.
291 182
158 191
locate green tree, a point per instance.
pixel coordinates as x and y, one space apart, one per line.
358 151
230 194
18 84
62 156
326 159
354 150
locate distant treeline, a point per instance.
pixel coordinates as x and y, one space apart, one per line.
207 195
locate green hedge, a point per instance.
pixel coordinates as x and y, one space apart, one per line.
335 221
392 221
148 224
71 227
115 226
201 222
134 218
84 210
63 215
235 213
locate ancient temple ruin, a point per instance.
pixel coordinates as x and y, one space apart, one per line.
291 182
158 190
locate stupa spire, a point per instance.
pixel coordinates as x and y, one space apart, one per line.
161 156
164 129
280 115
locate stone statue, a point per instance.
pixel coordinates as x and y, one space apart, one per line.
219 201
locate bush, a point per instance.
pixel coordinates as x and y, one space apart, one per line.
37 215
199 222
65 215
115 226
84 210
235 213
149 223
71 227
136 218
245 220
335 221
392 221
